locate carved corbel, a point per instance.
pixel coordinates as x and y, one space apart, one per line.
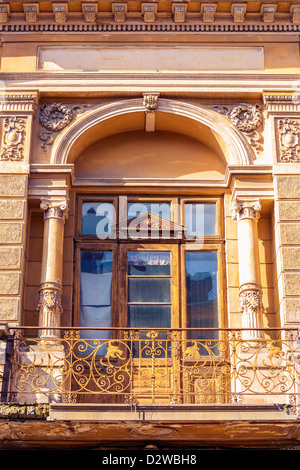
89 11
31 11
208 11
150 103
295 13
4 13
238 11
119 11
60 11
179 11
149 11
268 12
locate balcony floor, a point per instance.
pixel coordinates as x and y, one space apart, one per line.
92 426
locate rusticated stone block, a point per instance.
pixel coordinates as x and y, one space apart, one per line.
288 186
9 308
291 283
13 185
11 232
290 257
292 309
290 233
288 210
9 283
10 257
11 209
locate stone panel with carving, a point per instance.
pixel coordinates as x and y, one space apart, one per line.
288 140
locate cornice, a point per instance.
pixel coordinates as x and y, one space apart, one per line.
152 16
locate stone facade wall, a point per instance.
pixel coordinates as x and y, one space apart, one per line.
13 222
287 233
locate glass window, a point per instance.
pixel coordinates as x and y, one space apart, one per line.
97 219
149 289
200 219
95 293
163 209
202 291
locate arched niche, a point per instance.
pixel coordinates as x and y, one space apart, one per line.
192 139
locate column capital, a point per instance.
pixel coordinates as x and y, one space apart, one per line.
246 209
55 208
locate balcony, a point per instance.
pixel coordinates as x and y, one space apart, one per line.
137 367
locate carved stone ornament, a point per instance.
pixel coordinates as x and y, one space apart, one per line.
55 117
289 147
247 118
251 302
246 209
55 209
150 101
12 148
50 306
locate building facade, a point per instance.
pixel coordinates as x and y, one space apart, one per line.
149 224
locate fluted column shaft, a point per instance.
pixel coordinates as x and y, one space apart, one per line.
50 306
247 215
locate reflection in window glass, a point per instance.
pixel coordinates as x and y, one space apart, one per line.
202 293
163 209
97 218
95 294
149 295
200 219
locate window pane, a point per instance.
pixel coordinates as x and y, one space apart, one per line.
97 218
95 292
200 219
149 263
149 290
163 209
152 316
202 292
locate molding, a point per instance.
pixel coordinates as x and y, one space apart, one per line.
240 150
153 27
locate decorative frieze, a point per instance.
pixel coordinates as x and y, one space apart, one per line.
288 140
13 137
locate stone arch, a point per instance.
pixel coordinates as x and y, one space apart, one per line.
80 133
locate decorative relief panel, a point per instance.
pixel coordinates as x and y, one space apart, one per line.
54 117
288 139
13 138
248 119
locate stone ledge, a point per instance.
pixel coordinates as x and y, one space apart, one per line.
179 413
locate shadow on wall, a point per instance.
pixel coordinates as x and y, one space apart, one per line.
140 154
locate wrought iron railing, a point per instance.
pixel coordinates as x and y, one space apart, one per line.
140 366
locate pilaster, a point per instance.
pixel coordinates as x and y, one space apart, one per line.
16 118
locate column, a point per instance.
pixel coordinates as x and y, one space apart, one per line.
50 306
247 215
